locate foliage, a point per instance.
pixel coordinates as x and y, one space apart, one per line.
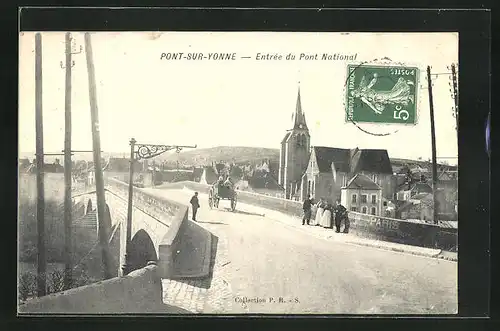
55 282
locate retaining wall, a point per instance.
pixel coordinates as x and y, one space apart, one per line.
138 292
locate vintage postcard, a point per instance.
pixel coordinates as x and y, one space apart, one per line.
238 173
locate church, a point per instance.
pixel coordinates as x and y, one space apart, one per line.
323 171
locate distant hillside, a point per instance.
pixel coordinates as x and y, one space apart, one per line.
204 156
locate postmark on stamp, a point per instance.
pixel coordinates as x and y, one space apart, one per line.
381 94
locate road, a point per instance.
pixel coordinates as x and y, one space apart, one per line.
269 267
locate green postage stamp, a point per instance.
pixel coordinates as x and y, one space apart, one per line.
381 94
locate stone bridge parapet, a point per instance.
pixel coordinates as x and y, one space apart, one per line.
138 292
364 225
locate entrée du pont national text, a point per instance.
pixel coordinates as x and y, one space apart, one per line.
259 56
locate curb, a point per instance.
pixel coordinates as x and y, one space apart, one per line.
205 269
393 249
400 250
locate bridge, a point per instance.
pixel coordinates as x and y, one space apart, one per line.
263 248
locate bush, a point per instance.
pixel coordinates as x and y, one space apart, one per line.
55 282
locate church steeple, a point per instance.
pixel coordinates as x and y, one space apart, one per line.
299 118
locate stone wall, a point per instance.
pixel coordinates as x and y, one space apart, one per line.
404 232
138 292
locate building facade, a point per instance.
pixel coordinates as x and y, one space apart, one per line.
362 195
329 169
322 171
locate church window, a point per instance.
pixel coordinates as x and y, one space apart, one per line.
313 187
374 211
354 196
374 198
301 140
308 187
363 198
364 210
353 208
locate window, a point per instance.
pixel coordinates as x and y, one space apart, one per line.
308 187
353 208
344 180
385 203
313 191
374 211
374 198
364 198
353 198
364 210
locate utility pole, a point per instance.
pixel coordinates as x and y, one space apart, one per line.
126 266
455 91
99 180
67 168
433 140
40 210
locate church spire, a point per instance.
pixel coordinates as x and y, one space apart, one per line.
299 118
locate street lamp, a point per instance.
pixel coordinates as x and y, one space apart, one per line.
141 152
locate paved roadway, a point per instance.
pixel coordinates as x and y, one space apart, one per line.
289 271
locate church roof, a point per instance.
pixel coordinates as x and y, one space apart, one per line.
299 118
371 160
353 160
326 155
362 182
286 137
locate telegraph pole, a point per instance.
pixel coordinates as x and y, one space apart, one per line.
455 90
40 210
99 180
126 266
67 167
433 140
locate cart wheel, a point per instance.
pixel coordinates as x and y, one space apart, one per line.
210 199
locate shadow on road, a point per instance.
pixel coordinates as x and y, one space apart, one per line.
218 223
242 212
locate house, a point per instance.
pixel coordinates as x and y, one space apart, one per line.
55 167
417 188
418 207
330 169
362 194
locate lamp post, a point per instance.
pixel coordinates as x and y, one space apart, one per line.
140 152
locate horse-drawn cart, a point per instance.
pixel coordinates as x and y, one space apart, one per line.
221 192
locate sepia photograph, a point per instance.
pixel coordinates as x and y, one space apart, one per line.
238 173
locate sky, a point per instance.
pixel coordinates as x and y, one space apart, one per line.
245 102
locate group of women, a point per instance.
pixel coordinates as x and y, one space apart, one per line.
325 214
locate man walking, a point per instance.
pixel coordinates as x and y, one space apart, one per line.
195 204
306 206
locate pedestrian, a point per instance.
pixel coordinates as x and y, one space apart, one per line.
195 204
326 220
306 206
320 208
341 215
